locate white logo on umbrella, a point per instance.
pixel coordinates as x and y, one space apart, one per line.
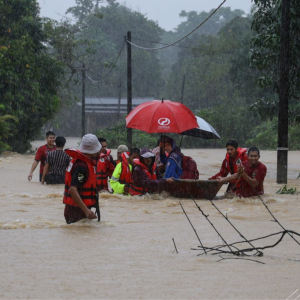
164 121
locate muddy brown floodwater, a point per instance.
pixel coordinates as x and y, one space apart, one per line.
130 253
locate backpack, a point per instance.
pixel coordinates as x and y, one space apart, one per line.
189 168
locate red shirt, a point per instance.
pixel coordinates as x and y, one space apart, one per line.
41 155
258 172
225 168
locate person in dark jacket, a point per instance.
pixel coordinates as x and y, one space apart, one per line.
145 176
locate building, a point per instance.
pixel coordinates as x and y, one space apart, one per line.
106 111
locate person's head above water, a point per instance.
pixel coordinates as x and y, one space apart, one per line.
90 145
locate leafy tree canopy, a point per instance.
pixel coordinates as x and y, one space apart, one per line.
265 54
29 77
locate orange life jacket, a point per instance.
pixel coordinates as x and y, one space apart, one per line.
102 173
233 167
241 156
125 176
88 192
104 169
134 189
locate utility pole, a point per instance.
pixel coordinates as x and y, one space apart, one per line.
182 89
129 88
282 146
119 100
83 101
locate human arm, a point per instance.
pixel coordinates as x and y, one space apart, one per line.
46 168
33 167
76 197
140 179
233 177
110 167
222 173
251 181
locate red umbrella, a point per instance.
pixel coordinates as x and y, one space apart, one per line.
161 116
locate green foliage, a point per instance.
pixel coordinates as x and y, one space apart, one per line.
287 190
5 130
29 77
264 135
265 52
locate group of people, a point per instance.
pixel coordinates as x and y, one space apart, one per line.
87 171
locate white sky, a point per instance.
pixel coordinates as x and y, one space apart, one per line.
165 12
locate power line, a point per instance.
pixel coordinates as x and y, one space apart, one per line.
192 48
137 46
114 64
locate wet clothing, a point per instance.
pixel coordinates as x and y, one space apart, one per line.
58 161
104 170
174 162
73 214
41 156
121 176
174 166
146 180
81 173
257 172
230 165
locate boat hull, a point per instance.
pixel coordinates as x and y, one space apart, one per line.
195 189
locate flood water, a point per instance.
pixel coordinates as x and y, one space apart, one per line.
130 253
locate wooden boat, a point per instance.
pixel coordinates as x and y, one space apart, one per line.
195 189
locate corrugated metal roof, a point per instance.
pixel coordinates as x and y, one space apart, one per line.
110 105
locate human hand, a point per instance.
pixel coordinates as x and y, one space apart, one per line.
170 180
126 189
42 181
241 169
90 214
29 176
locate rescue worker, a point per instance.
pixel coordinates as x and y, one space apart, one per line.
121 178
234 157
81 192
251 174
106 151
105 169
146 177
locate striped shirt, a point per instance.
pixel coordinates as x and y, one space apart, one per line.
58 161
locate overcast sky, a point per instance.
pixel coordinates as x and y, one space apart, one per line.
165 12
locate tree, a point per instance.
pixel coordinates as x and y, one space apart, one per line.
29 77
5 130
265 55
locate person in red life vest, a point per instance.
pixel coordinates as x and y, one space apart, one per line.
145 176
105 169
81 192
41 154
121 178
234 157
106 151
251 174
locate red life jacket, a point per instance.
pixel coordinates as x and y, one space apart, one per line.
125 176
102 173
233 166
241 156
89 192
140 190
107 153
